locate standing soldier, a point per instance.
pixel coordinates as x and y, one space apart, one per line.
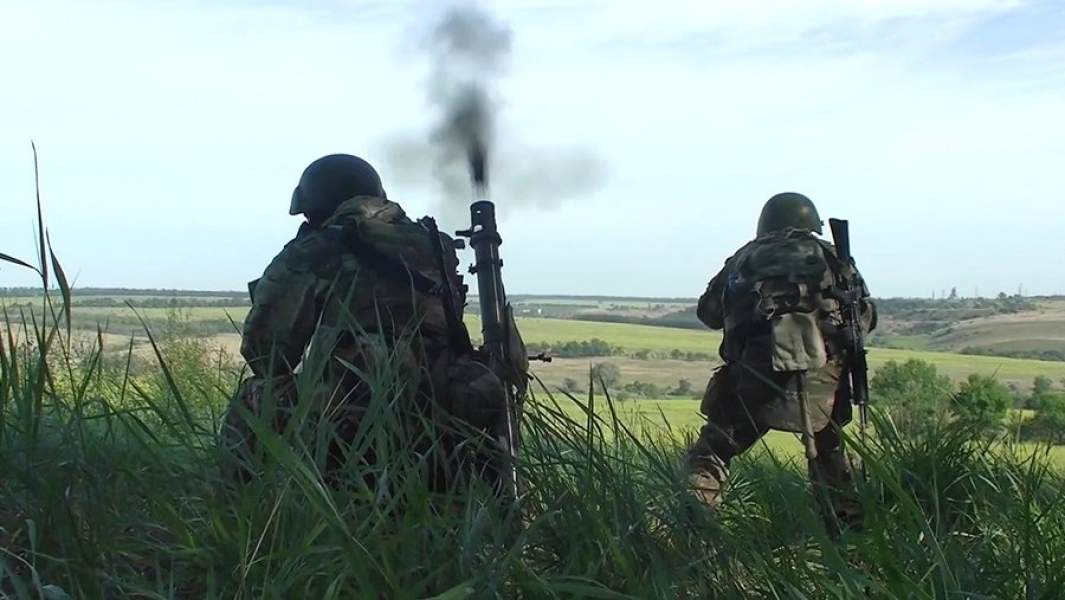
784 348
363 305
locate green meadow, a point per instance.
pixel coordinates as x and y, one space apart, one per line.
632 338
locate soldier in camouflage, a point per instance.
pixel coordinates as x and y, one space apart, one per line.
360 288
783 349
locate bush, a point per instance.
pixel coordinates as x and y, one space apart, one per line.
982 402
1051 419
684 388
575 349
1042 387
913 392
571 385
642 390
606 373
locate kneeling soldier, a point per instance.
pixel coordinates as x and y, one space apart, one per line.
377 298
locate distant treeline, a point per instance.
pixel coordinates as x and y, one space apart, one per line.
680 319
1048 354
624 299
149 302
598 347
153 302
927 315
954 309
127 292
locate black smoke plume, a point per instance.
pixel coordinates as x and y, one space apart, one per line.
469 53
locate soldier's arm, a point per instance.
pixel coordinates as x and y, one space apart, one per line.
711 310
282 317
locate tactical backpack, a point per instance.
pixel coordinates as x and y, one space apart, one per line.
777 289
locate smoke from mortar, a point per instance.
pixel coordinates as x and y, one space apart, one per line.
469 53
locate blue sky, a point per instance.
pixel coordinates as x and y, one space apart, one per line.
172 133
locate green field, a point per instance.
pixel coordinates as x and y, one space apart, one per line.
629 337
642 337
680 419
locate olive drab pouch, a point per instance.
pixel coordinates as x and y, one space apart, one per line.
797 343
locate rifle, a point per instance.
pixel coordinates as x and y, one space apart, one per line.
496 319
851 293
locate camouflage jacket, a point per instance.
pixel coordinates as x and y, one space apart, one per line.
748 337
358 272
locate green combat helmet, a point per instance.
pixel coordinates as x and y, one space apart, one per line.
789 210
329 181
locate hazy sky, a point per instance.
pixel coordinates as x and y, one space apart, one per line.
171 133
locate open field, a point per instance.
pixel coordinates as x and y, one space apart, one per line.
641 337
633 338
679 419
630 338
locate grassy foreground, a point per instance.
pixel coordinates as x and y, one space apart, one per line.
112 487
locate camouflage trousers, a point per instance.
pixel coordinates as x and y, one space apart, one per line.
732 428
441 410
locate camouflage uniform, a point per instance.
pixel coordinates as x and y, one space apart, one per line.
361 291
778 353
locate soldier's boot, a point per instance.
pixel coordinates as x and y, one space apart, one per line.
707 483
706 462
720 440
833 483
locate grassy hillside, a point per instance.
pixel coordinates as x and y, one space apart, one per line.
1011 326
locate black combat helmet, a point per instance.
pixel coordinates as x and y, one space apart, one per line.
789 210
330 180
